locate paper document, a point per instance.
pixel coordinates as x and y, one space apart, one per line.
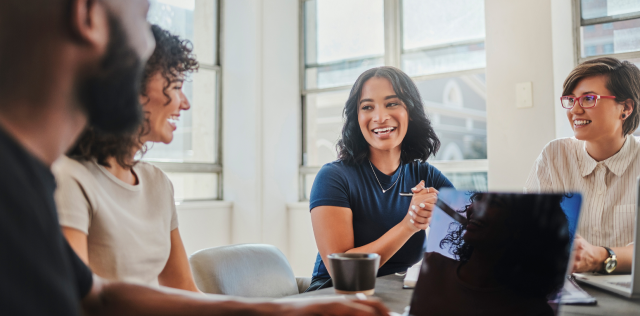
572 294
411 277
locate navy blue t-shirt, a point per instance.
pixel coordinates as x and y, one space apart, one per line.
374 213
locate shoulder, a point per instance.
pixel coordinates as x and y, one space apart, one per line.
562 145
149 172
66 168
336 169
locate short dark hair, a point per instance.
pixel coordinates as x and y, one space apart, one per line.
535 260
421 140
172 57
623 81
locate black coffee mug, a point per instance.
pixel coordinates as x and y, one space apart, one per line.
354 272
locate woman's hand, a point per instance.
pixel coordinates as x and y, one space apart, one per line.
587 257
422 204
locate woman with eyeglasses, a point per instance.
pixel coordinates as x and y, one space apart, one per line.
355 201
601 161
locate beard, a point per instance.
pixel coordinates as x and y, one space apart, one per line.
110 97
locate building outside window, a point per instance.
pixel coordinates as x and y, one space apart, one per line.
192 159
440 44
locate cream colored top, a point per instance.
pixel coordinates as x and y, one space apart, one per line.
128 227
608 187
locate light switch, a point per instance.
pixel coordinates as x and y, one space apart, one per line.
524 95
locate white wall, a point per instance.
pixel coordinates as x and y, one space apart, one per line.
520 48
204 224
261 117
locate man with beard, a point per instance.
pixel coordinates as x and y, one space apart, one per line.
62 63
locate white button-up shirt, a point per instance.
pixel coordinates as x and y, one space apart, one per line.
608 187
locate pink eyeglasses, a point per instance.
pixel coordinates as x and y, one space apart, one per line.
586 101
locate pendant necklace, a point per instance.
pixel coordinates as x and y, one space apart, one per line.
380 184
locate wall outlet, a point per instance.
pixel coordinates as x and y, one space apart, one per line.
524 95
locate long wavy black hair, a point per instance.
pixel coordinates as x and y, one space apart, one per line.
421 140
535 260
172 57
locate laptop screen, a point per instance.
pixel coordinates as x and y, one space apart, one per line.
496 253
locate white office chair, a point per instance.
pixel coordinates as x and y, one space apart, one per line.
247 270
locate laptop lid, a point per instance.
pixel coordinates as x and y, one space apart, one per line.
507 255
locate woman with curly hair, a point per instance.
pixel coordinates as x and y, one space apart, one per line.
355 201
119 214
512 256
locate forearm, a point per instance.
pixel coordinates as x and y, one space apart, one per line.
129 299
387 245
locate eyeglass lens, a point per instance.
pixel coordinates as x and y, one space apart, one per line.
587 101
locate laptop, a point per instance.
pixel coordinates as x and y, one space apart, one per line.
623 284
496 219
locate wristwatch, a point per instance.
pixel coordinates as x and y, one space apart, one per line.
610 263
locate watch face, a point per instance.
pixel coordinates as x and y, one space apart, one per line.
610 265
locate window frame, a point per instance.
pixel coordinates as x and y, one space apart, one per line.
216 166
579 22
393 31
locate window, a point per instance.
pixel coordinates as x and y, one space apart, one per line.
440 44
192 159
608 28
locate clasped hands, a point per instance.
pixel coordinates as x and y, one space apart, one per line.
422 203
587 257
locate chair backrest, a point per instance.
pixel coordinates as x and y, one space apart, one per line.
249 270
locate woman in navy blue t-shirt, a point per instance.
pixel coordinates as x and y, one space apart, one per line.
355 201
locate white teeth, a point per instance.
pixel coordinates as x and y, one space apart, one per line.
581 122
173 119
384 130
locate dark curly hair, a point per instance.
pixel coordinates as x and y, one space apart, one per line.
535 261
421 140
172 58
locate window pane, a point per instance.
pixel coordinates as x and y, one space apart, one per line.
194 186
323 125
335 33
194 20
457 108
339 46
474 181
610 38
600 8
448 59
339 74
442 36
195 138
429 23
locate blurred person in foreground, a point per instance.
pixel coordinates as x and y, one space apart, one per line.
510 258
117 213
601 161
64 63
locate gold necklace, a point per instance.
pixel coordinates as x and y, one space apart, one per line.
374 174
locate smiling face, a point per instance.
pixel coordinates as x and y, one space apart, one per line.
382 116
162 116
602 122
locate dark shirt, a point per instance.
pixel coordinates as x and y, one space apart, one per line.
39 272
439 291
374 213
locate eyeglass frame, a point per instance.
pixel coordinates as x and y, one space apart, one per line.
598 97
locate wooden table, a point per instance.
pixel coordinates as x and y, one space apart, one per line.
389 290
